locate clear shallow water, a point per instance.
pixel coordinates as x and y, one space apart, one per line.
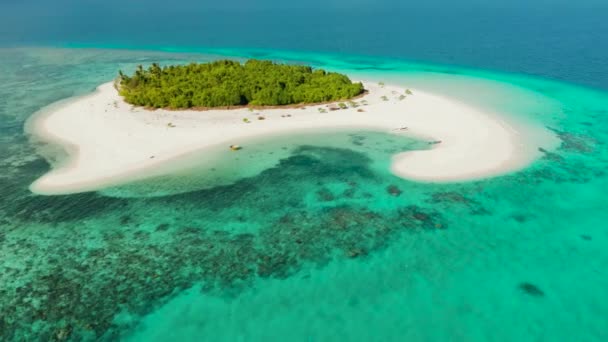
325 244
213 166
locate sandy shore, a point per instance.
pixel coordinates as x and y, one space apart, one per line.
109 142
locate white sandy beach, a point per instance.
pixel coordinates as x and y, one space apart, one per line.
109 142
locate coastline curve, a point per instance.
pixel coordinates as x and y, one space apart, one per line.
109 142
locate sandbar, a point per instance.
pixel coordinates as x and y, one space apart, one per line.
109 142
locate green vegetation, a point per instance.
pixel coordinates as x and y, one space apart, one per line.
409 92
229 83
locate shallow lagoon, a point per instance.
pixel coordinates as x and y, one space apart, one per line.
217 165
324 244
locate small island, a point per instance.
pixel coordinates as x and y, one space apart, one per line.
227 83
112 137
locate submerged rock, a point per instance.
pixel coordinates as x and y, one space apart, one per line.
324 195
393 190
162 227
521 218
531 289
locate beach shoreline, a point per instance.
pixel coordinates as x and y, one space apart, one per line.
109 142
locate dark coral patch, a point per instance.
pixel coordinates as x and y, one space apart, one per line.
324 195
62 208
551 156
162 227
450 197
393 190
413 217
125 219
521 218
531 289
137 262
574 142
456 198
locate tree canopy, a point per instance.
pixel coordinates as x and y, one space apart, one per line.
230 83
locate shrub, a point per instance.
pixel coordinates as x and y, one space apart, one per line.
229 83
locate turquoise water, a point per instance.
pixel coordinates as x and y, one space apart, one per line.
323 243
214 167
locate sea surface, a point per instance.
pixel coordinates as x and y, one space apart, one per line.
321 242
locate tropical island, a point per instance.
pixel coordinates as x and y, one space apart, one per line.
111 137
227 83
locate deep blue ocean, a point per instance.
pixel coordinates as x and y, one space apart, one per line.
566 42
326 245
